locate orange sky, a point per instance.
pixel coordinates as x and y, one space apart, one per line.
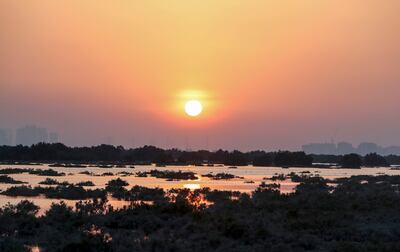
271 74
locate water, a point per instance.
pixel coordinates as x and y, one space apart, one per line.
250 173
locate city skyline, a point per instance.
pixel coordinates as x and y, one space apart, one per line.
342 148
27 135
33 134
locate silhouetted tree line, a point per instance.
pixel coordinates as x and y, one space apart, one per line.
356 161
149 154
44 152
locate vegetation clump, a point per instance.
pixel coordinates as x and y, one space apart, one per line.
48 172
5 179
85 183
168 175
236 158
71 192
38 172
375 160
116 183
141 174
358 214
50 181
14 170
353 161
280 177
106 174
86 173
125 174
292 159
218 196
220 176
263 159
145 194
117 188
26 191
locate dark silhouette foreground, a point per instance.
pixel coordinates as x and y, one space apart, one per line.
360 213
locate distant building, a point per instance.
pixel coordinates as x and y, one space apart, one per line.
365 148
53 137
391 150
344 148
31 135
6 137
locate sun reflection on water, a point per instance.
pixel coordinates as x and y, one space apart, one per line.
192 186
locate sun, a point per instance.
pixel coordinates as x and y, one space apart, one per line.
193 108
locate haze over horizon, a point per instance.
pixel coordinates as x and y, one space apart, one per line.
270 74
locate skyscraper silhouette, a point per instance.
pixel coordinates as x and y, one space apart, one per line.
31 134
5 137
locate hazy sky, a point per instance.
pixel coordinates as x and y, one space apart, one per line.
270 74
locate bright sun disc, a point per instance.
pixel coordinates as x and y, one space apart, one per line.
193 108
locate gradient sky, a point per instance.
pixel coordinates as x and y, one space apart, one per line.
271 74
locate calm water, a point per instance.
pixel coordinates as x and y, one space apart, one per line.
250 173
